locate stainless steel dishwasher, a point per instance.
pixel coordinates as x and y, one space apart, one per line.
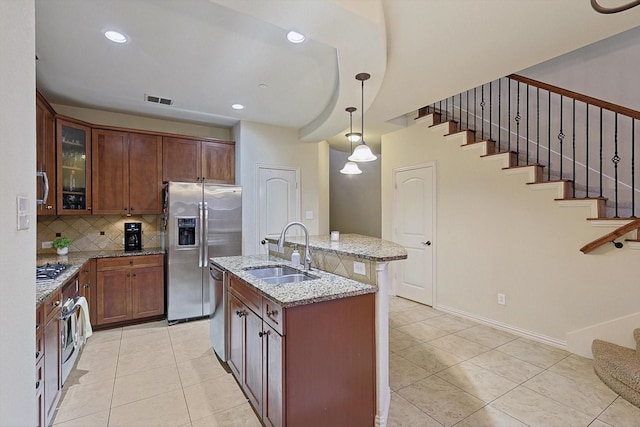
218 287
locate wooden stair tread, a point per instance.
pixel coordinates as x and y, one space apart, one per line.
498 153
586 198
526 166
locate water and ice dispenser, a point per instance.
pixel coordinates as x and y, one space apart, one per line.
186 231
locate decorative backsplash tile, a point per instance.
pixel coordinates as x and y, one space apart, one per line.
94 233
339 264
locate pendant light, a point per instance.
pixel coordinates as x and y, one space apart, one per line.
351 168
362 153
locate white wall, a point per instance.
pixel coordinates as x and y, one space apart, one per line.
355 199
497 235
17 248
276 146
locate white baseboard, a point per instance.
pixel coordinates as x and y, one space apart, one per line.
505 327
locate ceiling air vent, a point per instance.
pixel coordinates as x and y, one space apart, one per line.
158 100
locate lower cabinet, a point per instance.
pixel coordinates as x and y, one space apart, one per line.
311 365
129 288
48 341
87 278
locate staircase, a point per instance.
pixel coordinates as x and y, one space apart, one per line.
619 367
581 146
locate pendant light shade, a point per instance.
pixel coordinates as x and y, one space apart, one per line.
350 168
362 153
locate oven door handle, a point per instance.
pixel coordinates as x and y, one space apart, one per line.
65 315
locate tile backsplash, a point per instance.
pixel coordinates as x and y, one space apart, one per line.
95 233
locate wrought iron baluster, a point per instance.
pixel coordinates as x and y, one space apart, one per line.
482 104
475 115
468 110
587 152
615 159
527 140
561 137
518 123
460 108
549 139
633 168
499 112
446 109
490 109
601 149
538 125
573 145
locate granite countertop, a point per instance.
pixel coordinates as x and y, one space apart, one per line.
75 260
357 245
327 287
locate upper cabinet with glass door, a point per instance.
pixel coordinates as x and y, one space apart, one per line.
74 167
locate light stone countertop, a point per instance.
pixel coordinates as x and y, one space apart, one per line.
357 245
73 261
327 287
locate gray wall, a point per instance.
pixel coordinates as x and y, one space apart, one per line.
354 200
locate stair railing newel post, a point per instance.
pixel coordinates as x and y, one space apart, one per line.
467 125
499 122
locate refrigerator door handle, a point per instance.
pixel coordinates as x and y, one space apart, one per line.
200 243
205 235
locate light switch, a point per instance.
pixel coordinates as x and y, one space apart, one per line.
24 216
309 215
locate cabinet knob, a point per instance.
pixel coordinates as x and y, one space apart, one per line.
37 355
261 334
134 275
128 275
37 385
240 313
55 303
86 285
132 209
272 313
89 208
131 262
49 207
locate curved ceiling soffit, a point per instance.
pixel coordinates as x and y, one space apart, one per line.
358 34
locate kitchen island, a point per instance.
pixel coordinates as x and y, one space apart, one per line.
339 257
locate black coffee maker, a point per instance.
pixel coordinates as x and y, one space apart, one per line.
132 236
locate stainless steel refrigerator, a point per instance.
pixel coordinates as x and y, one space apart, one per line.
201 221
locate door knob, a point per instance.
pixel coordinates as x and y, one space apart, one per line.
427 243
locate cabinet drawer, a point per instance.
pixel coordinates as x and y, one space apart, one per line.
39 376
71 288
273 314
117 263
250 297
52 304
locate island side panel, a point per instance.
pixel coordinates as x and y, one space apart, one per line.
331 363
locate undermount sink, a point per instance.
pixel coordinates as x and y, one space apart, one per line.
277 275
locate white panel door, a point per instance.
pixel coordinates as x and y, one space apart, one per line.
278 201
414 225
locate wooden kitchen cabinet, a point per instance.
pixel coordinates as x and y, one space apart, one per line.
45 157
129 288
73 157
127 173
310 365
87 279
194 160
51 358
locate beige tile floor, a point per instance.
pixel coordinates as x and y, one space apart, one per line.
444 371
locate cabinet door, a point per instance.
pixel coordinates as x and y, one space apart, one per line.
218 162
252 383
180 159
273 381
74 168
113 289
145 174
45 156
87 278
236 336
147 292
110 168
52 356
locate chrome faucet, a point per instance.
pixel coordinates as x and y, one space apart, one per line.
307 252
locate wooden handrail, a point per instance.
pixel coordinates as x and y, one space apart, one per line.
607 238
578 96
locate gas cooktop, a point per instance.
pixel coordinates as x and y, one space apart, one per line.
49 271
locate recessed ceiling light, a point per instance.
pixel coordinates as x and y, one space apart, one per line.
115 36
262 86
237 107
295 37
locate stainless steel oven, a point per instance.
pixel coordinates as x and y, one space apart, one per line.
68 331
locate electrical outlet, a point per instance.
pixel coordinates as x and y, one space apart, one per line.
358 268
46 245
501 299
309 215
